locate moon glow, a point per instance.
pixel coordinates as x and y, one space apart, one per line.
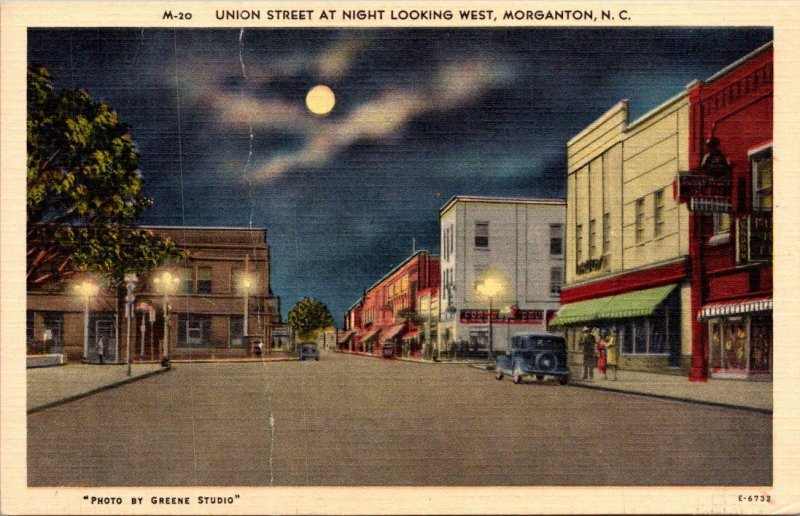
320 100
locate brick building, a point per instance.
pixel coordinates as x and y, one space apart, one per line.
206 305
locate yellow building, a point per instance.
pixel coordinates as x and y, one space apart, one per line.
627 237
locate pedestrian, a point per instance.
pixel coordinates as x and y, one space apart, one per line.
601 354
100 349
612 352
587 343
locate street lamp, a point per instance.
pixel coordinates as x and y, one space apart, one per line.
166 283
87 289
489 288
130 286
246 286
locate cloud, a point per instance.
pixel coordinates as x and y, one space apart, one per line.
334 62
388 113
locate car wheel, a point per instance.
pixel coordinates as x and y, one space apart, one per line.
539 377
564 380
498 374
517 374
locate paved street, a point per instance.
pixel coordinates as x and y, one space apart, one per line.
348 420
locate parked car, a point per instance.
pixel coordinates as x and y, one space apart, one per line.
387 350
308 350
534 355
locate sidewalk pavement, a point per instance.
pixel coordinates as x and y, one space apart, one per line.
49 386
412 359
742 394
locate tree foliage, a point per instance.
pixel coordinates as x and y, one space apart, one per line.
308 316
85 191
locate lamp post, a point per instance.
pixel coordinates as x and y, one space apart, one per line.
489 288
165 284
130 285
87 289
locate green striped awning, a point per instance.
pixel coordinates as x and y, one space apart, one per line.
641 303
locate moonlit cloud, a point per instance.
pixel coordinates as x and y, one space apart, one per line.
387 114
334 62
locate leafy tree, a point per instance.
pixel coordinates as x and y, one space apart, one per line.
308 316
408 314
85 191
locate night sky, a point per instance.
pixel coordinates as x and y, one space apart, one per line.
421 115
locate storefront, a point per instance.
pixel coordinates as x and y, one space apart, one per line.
739 338
647 322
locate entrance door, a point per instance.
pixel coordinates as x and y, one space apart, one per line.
102 330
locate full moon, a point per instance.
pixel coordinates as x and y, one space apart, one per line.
320 100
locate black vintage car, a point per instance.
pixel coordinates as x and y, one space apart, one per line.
534 355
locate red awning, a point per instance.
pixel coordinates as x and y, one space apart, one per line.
370 335
411 335
393 331
346 336
739 306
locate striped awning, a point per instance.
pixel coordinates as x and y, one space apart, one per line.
410 335
741 306
640 303
344 337
393 332
370 335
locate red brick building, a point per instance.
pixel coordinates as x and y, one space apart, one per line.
381 318
731 243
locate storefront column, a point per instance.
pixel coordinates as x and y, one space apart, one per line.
699 365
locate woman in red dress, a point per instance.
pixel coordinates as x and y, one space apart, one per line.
601 355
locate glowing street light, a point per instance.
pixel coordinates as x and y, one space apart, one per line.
166 283
87 289
246 285
490 288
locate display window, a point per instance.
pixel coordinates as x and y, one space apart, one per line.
740 346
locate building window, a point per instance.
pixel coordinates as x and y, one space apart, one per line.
592 238
606 233
53 328
761 165
578 243
482 235
237 332
556 239
639 220
722 223
645 336
658 213
556 276
204 280
194 331
185 286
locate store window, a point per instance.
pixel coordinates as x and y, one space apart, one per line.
592 238
606 233
556 239
761 166
658 213
204 280
722 223
53 328
761 344
741 344
482 235
237 332
639 221
644 336
194 331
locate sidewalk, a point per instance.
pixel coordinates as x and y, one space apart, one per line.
754 395
411 359
51 386
749 395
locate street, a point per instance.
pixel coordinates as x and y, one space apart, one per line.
348 420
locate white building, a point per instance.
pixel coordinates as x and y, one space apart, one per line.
507 253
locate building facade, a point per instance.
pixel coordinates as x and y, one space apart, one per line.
385 319
225 275
731 239
502 267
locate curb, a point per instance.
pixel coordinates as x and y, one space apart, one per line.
97 390
430 362
232 361
675 398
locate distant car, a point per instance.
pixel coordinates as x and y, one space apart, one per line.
534 355
387 350
308 351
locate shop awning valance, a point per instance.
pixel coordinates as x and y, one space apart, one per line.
641 303
392 332
740 306
411 335
344 337
370 335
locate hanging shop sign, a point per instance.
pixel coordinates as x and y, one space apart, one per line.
704 193
515 317
754 238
